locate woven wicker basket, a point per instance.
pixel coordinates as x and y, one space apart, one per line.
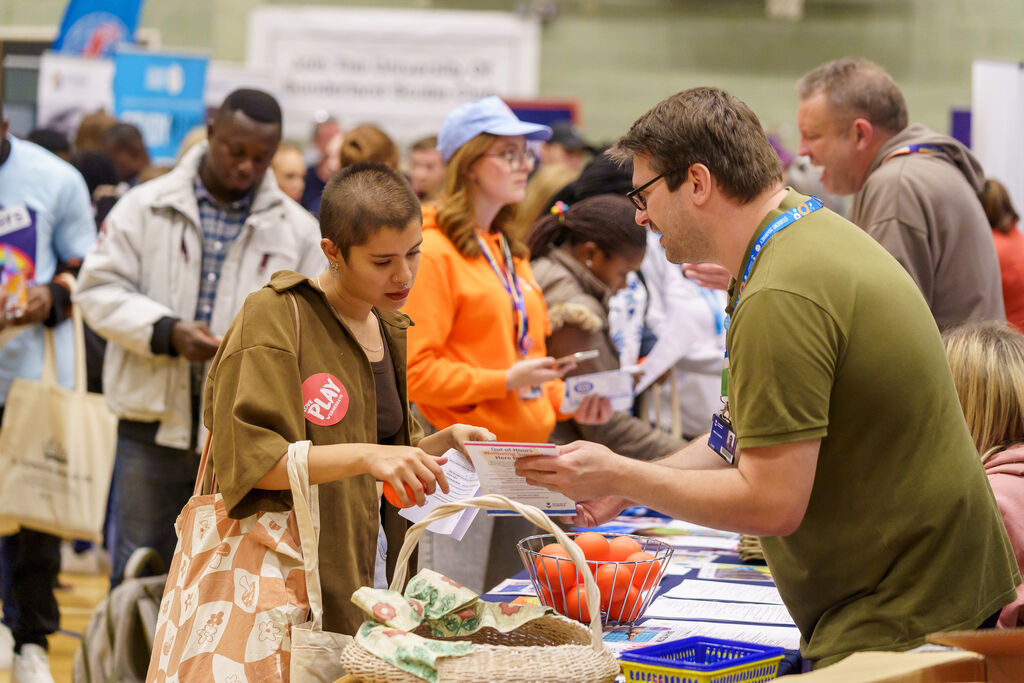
551 648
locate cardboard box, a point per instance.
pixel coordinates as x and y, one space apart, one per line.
992 655
1003 650
902 667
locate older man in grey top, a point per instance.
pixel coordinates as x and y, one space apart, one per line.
915 190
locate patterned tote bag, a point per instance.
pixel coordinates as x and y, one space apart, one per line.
243 600
235 589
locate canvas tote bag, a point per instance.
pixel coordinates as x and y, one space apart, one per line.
57 450
316 653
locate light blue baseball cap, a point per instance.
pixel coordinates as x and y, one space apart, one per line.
487 115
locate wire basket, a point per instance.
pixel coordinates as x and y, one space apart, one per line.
701 660
558 582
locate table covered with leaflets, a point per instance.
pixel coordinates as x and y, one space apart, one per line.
707 590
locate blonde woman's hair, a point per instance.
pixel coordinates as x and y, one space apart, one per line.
456 213
987 360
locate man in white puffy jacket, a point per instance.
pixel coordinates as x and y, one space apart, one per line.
175 260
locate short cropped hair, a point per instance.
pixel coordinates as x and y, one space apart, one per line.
706 126
256 104
124 136
857 88
49 139
361 199
425 144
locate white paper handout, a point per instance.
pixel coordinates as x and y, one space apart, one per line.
462 484
697 589
514 587
715 610
621 638
779 636
495 467
616 385
694 541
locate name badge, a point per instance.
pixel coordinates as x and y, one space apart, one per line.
722 439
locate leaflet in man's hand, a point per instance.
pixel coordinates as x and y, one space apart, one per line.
462 484
616 385
495 464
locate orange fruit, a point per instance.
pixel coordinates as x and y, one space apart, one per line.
556 600
553 549
647 569
555 569
391 495
593 545
621 547
613 580
576 605
627 607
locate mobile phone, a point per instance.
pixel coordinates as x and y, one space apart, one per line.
578 357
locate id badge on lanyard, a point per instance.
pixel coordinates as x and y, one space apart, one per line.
722 439
510 283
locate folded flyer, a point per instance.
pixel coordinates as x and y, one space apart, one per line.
495 463
616 385
462 484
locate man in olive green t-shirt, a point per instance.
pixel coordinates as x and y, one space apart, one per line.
855 465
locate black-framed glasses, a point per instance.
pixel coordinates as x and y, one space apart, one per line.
639 201
522 158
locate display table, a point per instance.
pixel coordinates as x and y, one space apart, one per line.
706 591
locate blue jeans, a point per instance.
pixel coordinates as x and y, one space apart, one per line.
151 485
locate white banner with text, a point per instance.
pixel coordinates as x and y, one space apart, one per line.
402 70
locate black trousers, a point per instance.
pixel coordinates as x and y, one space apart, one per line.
29 564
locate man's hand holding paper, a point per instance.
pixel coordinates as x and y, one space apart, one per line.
580 471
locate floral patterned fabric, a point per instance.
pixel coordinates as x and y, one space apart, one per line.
234 591
447 608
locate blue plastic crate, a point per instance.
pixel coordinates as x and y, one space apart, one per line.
701 660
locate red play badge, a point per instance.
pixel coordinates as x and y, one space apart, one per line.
324 399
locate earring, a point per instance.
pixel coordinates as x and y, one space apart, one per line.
333 268
590 263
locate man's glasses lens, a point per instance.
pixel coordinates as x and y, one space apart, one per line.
635 196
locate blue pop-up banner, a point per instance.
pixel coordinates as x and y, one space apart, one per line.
162 94
93 28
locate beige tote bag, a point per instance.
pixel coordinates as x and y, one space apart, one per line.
56 450
316 653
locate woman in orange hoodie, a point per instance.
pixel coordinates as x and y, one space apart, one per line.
476 352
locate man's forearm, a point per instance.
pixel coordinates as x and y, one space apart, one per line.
720 498
695 456
765 494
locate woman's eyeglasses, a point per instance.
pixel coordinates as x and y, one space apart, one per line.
517 158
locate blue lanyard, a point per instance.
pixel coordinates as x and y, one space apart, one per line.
786 219
510 282
782 222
